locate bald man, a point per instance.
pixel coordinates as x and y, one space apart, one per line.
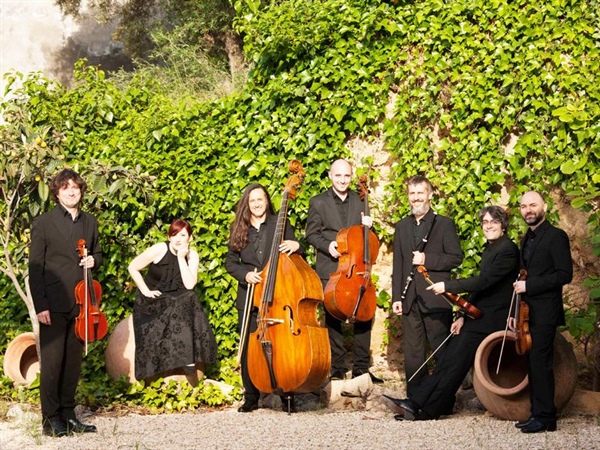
335 209
546 255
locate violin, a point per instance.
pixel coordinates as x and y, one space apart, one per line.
289 351
523 335
350 294
454 299
90 324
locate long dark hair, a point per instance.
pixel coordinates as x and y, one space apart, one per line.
238 238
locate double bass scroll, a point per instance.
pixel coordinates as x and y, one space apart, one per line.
350 294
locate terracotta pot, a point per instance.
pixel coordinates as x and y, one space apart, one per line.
506 394
120 357
21 362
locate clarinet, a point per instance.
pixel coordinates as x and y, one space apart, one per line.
422 245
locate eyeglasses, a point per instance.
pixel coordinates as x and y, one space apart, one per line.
490 222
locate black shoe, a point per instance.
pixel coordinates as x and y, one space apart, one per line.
411 410
524 423
537 426
75 426
374 379
248 406
337 375
54 427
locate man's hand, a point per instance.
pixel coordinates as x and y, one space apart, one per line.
44 317
333 249
397 308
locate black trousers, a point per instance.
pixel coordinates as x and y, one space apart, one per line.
436 394
61 357
541 372
251 393
420 331
361 345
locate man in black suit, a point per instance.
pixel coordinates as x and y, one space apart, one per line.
328 213
428 239
492 292
55 269
546 255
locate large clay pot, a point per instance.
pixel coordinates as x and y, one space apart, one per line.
120 357
506 394
21 362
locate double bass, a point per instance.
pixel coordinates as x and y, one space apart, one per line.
90 324
289 351
454 299
350 294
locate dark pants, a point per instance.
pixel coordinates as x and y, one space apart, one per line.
361 347
436 394
541 372
418 330
61 356
251 393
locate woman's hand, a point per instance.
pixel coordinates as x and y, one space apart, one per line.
289 247
150 294
253 277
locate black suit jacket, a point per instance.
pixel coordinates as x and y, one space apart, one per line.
548 269
324 223
54 268
238 264
493 287
442 254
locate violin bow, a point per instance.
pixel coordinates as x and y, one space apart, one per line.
430 356
510 308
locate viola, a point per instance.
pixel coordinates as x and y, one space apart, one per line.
350 294
454 299
90 324
289 351
523 335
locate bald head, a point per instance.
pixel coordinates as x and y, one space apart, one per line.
340 175
533 208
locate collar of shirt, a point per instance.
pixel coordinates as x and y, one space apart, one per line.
68 215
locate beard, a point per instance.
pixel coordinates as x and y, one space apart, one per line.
534 219
420 210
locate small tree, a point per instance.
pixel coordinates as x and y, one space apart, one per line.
32 154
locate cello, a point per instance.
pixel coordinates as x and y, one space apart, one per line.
289 351
456 300
350 293
90 324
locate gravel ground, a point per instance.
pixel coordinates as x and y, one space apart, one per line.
267 429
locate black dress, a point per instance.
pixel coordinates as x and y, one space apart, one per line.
171 330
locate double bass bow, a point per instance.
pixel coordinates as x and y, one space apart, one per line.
90 324
289 351
454 299
350 294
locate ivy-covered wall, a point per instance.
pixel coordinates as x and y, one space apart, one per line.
487 98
